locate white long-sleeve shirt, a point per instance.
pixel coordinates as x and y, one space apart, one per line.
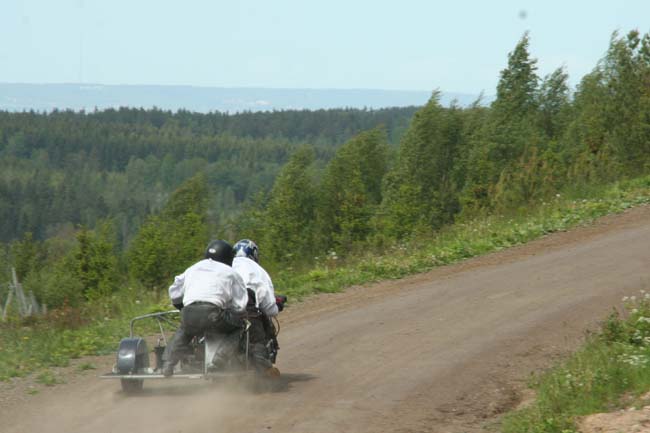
257 279
210 281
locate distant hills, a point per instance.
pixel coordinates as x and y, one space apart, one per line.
47 97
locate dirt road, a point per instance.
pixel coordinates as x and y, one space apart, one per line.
446 351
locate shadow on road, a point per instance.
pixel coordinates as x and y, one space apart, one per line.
178 388
283 384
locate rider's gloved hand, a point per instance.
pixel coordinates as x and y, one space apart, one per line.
279 301
179 306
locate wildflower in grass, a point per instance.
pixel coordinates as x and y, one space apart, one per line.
634 360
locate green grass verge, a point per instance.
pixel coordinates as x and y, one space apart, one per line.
613 363
25 349
48 378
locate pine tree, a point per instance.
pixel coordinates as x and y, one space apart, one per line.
518 84
610 134
554 103
419 191
510 131
289 216
170 241
27 254
626 68
95 262
351 190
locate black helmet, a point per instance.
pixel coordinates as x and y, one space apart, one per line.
220 251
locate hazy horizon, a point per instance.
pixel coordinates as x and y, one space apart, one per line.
90 96
415 45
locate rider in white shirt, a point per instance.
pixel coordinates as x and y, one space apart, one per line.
209 281
262 332
255 277
212 297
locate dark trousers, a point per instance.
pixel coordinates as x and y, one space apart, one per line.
197 319
262 346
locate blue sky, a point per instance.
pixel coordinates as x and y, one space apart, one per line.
457 46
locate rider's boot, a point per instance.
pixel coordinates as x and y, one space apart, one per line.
272 372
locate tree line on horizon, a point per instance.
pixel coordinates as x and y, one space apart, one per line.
537 138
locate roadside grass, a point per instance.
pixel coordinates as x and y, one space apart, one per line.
29 347
612 364
87 366
48 378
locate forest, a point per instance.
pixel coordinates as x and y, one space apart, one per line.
64 169
91 203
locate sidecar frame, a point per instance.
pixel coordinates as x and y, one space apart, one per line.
132 362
